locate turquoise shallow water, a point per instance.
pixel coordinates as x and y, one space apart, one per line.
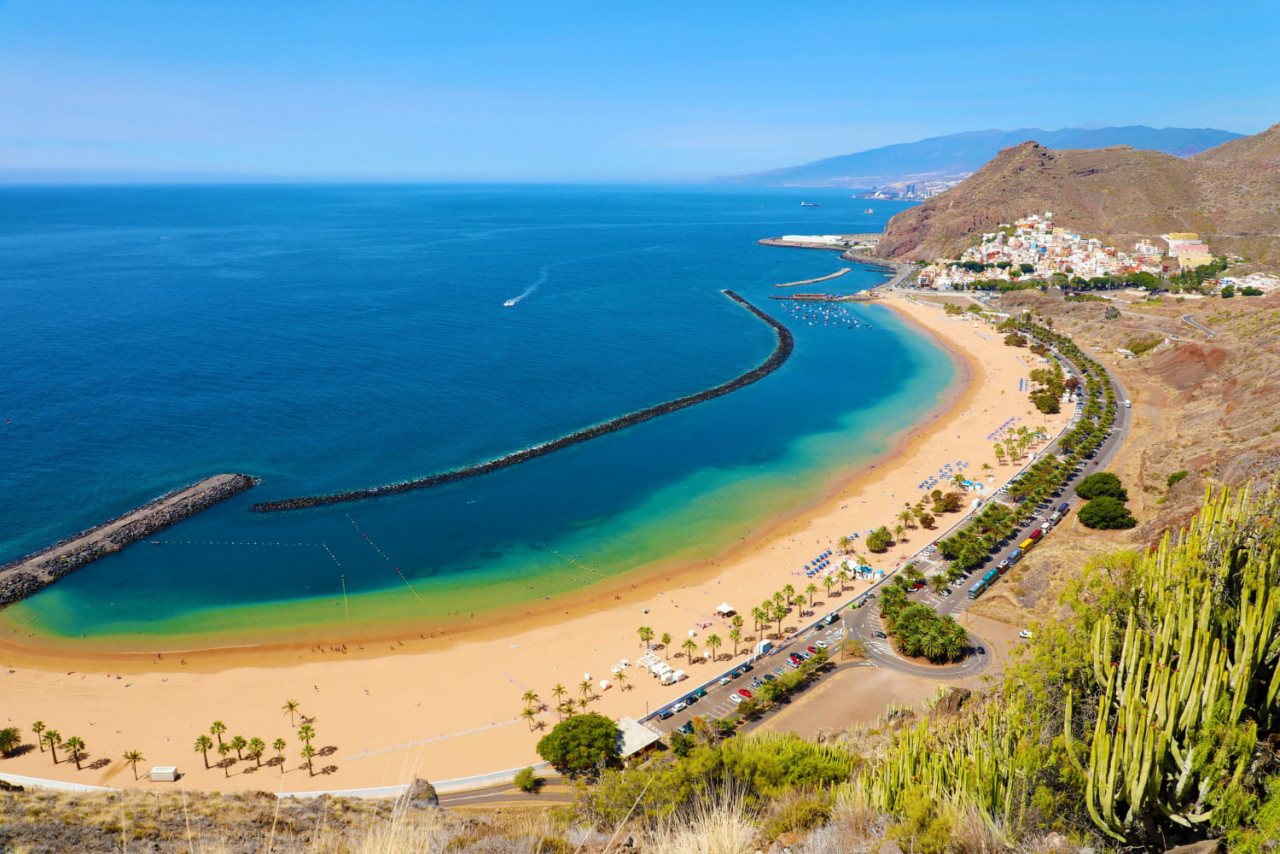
328 338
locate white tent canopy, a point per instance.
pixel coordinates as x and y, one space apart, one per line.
725 608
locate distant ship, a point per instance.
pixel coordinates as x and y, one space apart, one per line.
810 204
869 210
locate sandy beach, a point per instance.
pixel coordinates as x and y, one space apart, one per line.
449 706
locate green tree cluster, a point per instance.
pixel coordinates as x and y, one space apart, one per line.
583 744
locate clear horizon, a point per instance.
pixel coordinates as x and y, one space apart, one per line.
570 92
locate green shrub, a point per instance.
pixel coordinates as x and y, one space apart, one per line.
1176 477
527 781
1105 513
1101 483
926 824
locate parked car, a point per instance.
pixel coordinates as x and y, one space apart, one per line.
700 693
769 677
822 644
737 698
664 714
744 692
680 706
725 680
779 671
879 634
813 649
686 728
982 650
690 700
1025 634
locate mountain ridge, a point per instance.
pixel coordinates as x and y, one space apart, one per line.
1229 193
954 156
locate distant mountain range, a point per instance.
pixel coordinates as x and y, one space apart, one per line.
952 158
1229 194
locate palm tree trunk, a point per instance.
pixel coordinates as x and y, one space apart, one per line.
206 759
76 757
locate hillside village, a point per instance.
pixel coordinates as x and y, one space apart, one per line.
1033 248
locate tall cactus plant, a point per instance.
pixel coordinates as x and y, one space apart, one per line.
1186 677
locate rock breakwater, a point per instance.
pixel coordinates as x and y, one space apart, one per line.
36 571
781 352
837 274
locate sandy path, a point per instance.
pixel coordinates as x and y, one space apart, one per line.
449 707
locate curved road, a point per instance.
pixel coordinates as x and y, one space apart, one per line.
1190 320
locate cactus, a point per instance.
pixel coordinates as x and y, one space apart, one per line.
1183 679
1187 663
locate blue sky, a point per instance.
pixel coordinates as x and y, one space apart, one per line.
598 90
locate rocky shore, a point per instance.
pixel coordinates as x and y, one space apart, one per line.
781 352
36 571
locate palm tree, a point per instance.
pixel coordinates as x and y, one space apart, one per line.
666 644
986 467
779 614
75 746
737 622
844 543
789 592
828 582
38 729
10 738
957 479
133 757
291 709
939 584
558 692
256 748
907 518
530 698
759 615
53 738
999 453
238 744
529 714
735 635
582 704
778 599
843 577
217 728
223 750
621 678
203 745
713 642
566 709
584 687
307 752
690 647
898 531
646 635
306 733
278 746
811 590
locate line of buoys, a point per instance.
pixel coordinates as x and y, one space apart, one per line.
780 354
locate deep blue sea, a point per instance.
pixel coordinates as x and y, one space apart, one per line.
335 337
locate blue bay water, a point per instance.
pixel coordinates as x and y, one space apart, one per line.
329 338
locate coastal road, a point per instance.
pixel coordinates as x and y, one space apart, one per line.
931 563
555 790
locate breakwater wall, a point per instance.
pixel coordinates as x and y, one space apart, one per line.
901 272
862 296
781 352
837 274
34 572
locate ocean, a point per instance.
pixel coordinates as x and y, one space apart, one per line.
325 338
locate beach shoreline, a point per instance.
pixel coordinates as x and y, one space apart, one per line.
396 679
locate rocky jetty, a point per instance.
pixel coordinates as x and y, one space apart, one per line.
36 571
781 352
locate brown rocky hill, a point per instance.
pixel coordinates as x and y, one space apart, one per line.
1230 194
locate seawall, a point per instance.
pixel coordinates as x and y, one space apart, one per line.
837 274
781 352
37 571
